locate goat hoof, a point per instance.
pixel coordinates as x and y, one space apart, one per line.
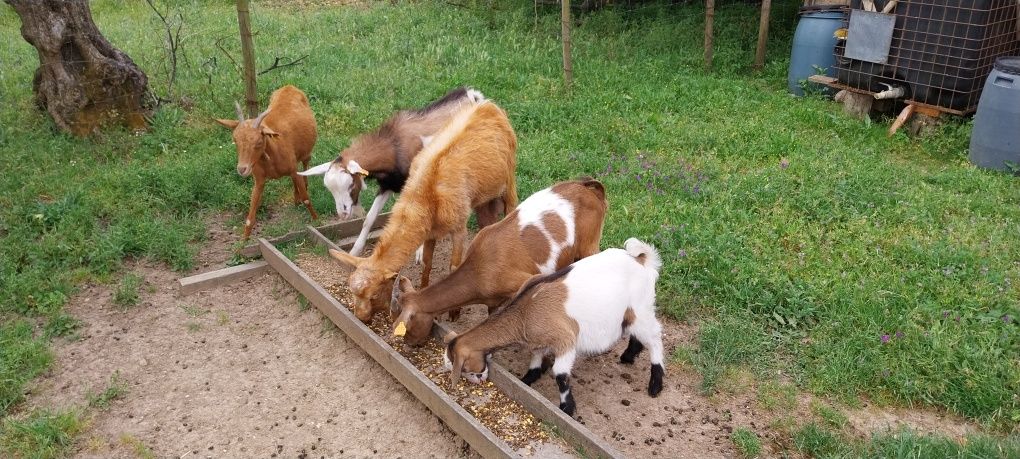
531 376
627 358
655 384
568 408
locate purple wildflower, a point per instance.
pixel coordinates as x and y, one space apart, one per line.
681 253
784 163
885 339
1007 319
945 314
899 334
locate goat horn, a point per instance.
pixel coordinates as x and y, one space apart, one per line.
261 117
240 113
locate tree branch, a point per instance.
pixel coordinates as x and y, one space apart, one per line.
277 65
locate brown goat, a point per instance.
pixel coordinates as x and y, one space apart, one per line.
551 229
270 146
468 165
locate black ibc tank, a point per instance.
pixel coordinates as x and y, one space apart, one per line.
995 140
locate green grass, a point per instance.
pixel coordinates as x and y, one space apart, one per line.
818 441
796 236
40 435
114 390
127 292
23 356
746 442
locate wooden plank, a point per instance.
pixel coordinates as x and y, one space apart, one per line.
345 244
225 276
442 405
821 79
334 230
572 431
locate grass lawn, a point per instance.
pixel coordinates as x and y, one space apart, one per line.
802 241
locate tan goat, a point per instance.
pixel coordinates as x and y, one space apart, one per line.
470 164
270 146
551 229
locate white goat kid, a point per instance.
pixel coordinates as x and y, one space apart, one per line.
583 309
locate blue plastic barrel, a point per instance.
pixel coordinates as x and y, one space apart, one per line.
813 45
995 139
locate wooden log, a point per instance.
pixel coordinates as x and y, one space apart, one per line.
855 103
589 444
442 405
220 277
902 118
763 34
709 22
339 230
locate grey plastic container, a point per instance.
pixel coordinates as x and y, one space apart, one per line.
995 139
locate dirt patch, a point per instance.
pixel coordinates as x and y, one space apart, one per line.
240 371
870 419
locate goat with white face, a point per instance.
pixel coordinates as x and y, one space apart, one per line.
386 155
582 309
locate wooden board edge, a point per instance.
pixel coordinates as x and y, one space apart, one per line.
442 405
337 230
576 434
221 277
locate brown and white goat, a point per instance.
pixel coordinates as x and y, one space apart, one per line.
551 229
469 164
582 309
386 155
270 146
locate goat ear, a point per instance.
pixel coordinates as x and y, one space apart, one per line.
458 366
355 168
347 259
449 337
317 170
229 124
267 131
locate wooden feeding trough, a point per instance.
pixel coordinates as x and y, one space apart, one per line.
443 405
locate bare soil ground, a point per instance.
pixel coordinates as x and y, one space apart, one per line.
246 370
239 371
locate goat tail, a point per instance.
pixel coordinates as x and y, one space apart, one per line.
475 95
644 253
510 195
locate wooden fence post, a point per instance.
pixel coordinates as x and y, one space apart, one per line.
568 67
763 34
251 101
709 20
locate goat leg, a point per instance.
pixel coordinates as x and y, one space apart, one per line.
377 205
426 270
566 396
301 193
539 365
256 199
634 347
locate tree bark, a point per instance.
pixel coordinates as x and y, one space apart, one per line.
82 81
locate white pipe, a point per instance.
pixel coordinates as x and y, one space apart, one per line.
377 205
894 92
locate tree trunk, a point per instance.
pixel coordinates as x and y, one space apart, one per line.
82 80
